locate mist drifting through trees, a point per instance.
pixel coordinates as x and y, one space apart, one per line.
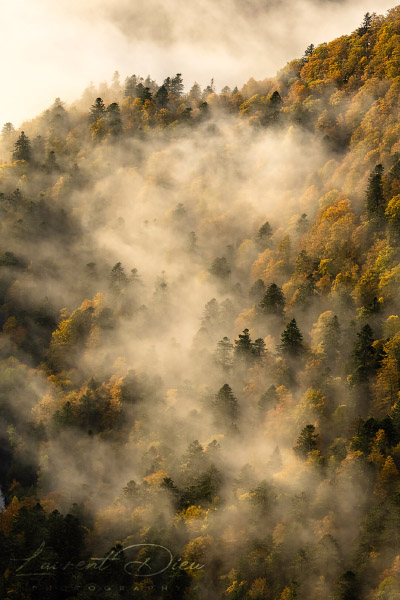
200 335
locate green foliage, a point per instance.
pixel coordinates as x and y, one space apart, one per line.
269 399
225 405
223 354
113 117
363 355
97 111
306 442
273 302
366 24
22 148
292 340
118 279
376 204
264 235
220 268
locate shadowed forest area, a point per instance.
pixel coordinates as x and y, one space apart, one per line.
200 336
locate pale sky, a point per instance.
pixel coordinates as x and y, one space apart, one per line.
54 48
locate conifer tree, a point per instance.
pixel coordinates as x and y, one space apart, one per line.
162 96
225 405
366 24
292 340
223 354
375 198
273 302
130 86
306 441
363 355
7 129
264 235
22 148
177 86
113 114
243 345
97 110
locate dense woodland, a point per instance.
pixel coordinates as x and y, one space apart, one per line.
200 335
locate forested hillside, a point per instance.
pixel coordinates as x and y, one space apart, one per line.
200 336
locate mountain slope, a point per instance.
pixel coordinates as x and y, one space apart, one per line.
200 345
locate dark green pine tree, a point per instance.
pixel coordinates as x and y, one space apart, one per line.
176 85
363 356
243 345
292 340
258 348
276 99
220 268
264 235
347 587
375 198
366 24
130 86
309 50
225 406
117 278
331 338
273 302
162 96
97 110
306 441
143 93
113 114
22 148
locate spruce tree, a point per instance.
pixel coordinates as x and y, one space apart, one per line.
243 345
292 340
363 355
258 348
113 114
97 110
273 302
177 85
22 148
162 96
225 405
264 235
117 277
375 198
366 24
130 86
220 268
306 442
223 354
